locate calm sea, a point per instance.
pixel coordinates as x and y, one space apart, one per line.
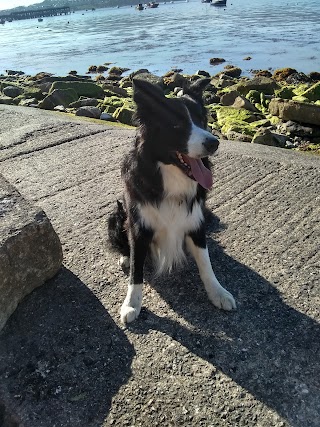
275 33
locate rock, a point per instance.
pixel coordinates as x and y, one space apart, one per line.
297 78
172 80
242 102
216 61
285 92
282 73
102 68
261 84
30 250
12 91
14 73
63 97
313 93
231 119
120 91
296 111
117 71
89 111
314 75
224 81
149 77
84 102
124 115
295 129
262 73
264 136
254 96
232 71
107 117
236 136
202 73
87 89
28 102
6 100
228 98
60 108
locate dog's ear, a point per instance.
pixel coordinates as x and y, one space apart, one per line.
195 90
146 94
150 100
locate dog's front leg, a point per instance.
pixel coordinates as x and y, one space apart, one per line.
220 297
139 245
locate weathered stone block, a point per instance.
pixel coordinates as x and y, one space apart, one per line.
30 249
296 111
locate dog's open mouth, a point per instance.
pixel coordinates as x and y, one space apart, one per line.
195 169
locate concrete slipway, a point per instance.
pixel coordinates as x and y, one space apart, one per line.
65 359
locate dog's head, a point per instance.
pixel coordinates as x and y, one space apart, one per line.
173 130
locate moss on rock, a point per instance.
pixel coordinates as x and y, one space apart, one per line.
88 89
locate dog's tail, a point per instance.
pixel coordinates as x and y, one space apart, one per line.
117 233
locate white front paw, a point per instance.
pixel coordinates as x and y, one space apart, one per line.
223 299
131 306
128 314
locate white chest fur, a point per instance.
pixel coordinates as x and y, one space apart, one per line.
173 218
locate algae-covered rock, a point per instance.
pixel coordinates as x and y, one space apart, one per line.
282 73
88 89
172 80
58 97
260 84
124 115
232 71
313 93
231 119
253 96
300 98
216 61
286 92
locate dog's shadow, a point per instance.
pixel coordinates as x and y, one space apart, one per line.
62 357
267 347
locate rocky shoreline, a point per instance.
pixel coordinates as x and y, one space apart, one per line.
280 109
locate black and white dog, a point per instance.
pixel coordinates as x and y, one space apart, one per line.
166 177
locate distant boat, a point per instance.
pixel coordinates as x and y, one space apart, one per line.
140 6
206 1
152 4
40 19
218 3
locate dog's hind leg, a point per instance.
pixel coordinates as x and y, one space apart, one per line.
218 295
139 246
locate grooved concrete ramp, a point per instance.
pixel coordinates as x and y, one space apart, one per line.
66 361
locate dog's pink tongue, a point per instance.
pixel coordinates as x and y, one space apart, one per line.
200 172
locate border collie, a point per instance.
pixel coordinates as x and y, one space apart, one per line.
166 177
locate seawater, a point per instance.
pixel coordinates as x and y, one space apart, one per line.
275 33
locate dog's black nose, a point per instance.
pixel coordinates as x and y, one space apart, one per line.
211 144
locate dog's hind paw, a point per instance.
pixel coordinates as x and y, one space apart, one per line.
224 300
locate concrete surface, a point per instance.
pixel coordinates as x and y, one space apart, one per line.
65 359
30 250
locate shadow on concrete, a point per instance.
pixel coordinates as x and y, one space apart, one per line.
62 358
267 347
